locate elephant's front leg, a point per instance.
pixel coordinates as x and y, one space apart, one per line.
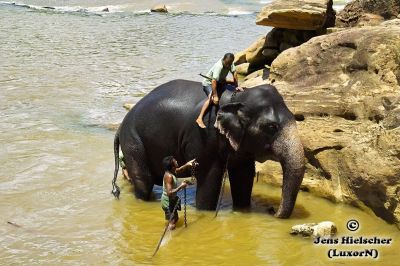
209 177
241 176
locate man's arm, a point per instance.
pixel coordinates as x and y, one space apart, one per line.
236 82
235 79
214 96
181 170
214 83
168 185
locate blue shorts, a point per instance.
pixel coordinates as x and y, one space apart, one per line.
208 89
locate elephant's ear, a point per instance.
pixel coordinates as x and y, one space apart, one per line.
230 123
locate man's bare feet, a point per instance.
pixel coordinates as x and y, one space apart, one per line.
200 123
171 226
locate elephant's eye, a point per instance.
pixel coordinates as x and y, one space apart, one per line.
272 128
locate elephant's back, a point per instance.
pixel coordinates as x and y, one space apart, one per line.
162 117
174 95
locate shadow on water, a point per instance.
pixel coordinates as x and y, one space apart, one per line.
263 204
260 203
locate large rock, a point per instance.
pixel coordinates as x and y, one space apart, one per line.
298 14
256 78
240 58
252 54
344 91
264 50
243 69
392 22
367 12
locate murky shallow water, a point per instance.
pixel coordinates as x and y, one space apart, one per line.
63 76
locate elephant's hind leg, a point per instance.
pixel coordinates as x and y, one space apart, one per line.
138 170
241 176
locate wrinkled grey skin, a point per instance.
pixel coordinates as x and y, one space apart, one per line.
254 125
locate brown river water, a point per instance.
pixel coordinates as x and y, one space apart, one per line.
64 76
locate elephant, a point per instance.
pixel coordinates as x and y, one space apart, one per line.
253 125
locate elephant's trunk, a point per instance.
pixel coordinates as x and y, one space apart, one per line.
289 150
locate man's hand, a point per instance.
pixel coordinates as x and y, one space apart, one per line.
239 89
192 163
215 99
183 185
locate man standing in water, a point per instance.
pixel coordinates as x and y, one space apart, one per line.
169 199
215 83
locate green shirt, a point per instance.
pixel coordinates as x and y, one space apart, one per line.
218 72
164 196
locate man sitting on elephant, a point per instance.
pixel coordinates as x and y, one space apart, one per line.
170 202
215 83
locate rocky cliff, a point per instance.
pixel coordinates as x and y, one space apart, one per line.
344 89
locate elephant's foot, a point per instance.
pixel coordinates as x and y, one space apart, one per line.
143 194
282 214
143 188
242 203
271 210
206 207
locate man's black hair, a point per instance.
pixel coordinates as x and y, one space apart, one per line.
168 163
229 56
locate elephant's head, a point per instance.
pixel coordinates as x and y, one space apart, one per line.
258 124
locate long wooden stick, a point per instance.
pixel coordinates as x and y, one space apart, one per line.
221 194
204 76
166 228
184 206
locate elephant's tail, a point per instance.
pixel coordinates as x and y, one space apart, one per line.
115 190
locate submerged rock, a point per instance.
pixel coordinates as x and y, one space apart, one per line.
303 229
344 90
323 229
367 12
159 8
129 106
297 14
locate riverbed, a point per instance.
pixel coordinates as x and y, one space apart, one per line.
64 76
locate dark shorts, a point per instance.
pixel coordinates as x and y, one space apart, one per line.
207 90
168 211
221 89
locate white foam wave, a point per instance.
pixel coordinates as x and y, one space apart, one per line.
75 9
101 10
238 12
96 9
144 11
